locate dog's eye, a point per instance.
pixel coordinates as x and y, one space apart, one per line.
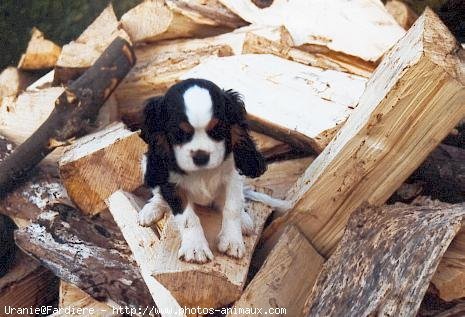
183 133
216 129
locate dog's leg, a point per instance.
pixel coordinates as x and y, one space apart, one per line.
154 210
194 245
235 219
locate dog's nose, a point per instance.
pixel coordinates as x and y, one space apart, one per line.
200 157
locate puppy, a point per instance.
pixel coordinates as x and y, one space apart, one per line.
199 151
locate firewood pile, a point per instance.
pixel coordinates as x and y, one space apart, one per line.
358 108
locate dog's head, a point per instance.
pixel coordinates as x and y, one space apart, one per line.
196 126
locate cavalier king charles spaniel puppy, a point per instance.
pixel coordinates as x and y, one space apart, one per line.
199 152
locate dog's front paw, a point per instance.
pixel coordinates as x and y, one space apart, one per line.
247 224
195 250
231 242
149 215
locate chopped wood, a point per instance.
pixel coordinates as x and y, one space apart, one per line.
74 108
154 20
89 253
380 268
256 44
72 296
280 176
364 32
45 81
394 127
27 284
142 242
20 118
276 91
209 12
402 12
40 53
285 280
449 278
77 56
95 166
214 284
13 81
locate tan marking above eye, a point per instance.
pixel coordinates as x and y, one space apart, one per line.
213 122
186 127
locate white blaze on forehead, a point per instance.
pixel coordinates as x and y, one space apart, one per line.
199 106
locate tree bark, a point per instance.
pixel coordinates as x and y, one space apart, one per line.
79 104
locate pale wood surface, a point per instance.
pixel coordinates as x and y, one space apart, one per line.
364 29
412 101
214 284
142 242
80 54
286 278
402 12
40 53
13 81
380 268
95 166
277 93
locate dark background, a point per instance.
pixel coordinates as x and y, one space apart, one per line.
63 20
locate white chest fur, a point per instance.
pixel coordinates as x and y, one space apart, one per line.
205 186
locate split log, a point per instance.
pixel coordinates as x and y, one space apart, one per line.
209 12
155 20
74 108
89 253
256 44
285 280
280 176
28 284
40 53
214 284
142 241
45 81
77 56
365 30
12 82
20 118
72 296
276 92
402 12
380 268
449 279
97 165
389 134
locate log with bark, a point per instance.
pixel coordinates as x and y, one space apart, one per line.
77 56
89 253
40 53
95 166
74 108
380 268
276 91
394 127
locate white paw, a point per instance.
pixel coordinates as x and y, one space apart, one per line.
231 242
150 214
247 224
194 248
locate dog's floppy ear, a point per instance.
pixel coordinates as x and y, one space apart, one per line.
249 161
153 132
